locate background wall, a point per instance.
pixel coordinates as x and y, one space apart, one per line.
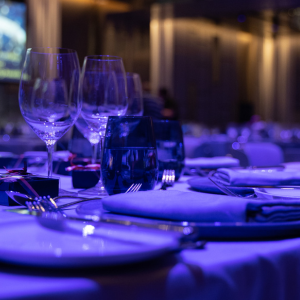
222 62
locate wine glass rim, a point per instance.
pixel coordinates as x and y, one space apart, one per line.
165 121
103 57
51 50
129 117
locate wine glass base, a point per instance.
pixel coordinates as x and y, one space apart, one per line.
94 192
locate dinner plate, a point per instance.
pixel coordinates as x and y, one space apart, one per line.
255 170
284 193
203 165
25 242
206 231
226 230
247 231
212 162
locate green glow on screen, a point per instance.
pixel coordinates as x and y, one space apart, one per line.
12 39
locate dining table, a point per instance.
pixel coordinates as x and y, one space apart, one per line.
223 269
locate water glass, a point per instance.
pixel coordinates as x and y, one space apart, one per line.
129 154
170 148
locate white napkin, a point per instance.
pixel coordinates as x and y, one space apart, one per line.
201 207
257 177
212 162
180 206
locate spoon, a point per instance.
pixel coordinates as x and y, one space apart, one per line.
22 198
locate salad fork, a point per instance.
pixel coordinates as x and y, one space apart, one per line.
135 187
168 179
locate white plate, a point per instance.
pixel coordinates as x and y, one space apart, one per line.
27 243
286 193
212 162
260 170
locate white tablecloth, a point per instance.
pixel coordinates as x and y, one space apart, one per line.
223 270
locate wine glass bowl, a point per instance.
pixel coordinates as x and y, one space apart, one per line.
90 134
135 95
48 93
103 90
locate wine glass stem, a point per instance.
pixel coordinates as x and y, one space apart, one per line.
94 153
101 147
50 149
100 183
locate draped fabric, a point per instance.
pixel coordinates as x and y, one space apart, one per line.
44 23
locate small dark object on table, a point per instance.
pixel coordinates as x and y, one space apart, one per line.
85 178
26 184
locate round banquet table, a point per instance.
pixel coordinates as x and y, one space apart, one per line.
222 270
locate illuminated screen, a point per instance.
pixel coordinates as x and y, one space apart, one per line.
12 39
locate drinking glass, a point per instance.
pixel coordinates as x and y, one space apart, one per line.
103 92
135 95
129 154
48 93
170 148
88 132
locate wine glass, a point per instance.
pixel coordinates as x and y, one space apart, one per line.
48 93
103 92
135 95
92 136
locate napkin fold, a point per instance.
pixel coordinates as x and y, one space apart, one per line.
212 162
200 207
273 212
178 206
204 184
257 177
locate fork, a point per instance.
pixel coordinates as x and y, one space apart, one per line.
222 187
12 194
168 179
135 187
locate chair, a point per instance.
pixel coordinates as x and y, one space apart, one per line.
263 154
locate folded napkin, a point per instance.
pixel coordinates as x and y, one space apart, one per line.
199 207
273 212
257 177
212 162
204 184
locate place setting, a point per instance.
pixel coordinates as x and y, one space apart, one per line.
130 202
51 100
149 150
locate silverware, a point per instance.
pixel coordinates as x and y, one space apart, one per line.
222 187
135 187
50 216
168 179
22 198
